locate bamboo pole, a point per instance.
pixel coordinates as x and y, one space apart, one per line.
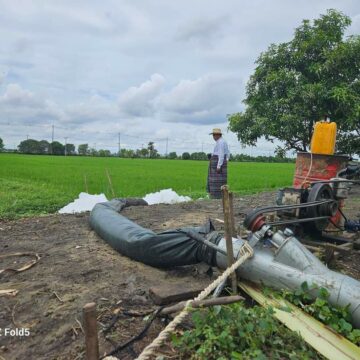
228 234
91 334
110 183
328 343
232 219
203 303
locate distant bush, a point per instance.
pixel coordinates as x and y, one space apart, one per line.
198 156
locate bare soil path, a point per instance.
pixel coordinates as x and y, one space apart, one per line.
77 267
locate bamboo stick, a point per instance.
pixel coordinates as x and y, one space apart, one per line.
231 209
228 234
204 303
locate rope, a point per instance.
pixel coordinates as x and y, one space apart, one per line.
310 168
246 252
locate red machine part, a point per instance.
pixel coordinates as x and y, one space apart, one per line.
257 223
313 167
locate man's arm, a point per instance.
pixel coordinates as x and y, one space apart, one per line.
221 156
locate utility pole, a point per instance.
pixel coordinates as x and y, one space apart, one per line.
52 139
65 146
119 143
27 137
167 144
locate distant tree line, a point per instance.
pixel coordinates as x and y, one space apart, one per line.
279 157
43 147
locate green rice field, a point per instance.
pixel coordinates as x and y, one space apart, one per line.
33 185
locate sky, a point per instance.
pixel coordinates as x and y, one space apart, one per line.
161 71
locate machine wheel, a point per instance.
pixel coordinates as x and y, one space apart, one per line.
320 192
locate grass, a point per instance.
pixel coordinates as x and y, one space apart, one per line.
31 184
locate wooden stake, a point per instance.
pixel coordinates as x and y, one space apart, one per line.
232 219
228 235
91 333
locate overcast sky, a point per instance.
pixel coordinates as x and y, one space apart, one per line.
149 70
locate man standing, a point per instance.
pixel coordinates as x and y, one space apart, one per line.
217 173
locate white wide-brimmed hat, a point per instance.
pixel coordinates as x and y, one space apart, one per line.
216 131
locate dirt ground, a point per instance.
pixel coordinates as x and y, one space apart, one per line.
77 267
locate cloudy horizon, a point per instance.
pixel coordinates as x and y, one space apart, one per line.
151 71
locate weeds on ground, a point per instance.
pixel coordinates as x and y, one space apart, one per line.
337 317
236 332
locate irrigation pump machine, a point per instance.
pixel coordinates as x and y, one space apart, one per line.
314 204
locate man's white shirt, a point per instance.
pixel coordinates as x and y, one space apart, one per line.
222 151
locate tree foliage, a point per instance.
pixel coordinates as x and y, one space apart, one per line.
153 153
104 153
143 152
30 146
83 149
43 147
70 149
296 83
172 155
185 156
198 156
57 148
1 145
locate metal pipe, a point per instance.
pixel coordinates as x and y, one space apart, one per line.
291 265
196 236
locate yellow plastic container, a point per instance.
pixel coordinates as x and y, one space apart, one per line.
324 138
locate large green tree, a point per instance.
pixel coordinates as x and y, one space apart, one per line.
1 145
69 149
57 148
153 153
83 149
296 83
29 146
43 147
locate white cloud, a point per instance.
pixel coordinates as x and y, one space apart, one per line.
201 29
204 100
95 108
15 95
138 101
148 70
21 106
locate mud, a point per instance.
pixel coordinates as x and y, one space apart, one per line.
78 267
